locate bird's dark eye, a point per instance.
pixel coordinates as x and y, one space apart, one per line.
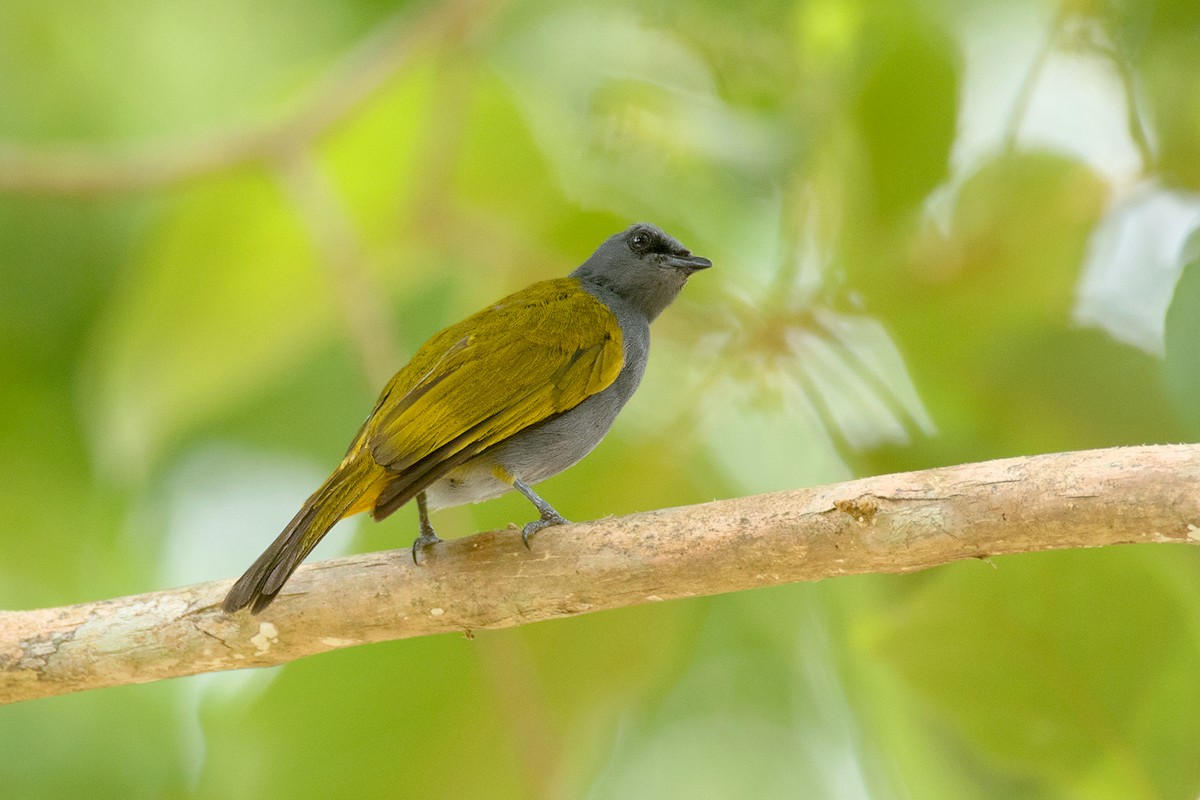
640 241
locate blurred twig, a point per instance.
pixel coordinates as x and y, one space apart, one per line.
886 524
82 170
1134 121
1025 94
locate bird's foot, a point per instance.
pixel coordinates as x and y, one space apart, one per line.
545 521
426 538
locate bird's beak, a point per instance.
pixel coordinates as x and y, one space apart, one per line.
689 263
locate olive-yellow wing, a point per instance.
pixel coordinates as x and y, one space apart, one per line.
534 354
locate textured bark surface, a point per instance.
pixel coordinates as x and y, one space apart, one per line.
889 523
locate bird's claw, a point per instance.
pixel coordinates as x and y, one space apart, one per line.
421 542
545 521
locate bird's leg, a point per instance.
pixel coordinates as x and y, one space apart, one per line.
548 515
427 536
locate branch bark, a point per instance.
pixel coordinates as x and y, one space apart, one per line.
885 524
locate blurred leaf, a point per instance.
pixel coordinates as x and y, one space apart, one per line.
375 159
967 305
906 113
758 711
1031 391
499 154
61 527
765 444
798 394
1133 264
1183 339
225 297
859 378
1010 259
56 263
889 713
631 122
1048 665
59 258
1020 227
121 69
1156 36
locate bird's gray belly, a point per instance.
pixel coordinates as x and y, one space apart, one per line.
534 454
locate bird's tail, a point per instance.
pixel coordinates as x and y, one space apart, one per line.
351 488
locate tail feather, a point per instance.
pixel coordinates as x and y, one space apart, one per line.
346 492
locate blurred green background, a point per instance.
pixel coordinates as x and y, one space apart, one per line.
944 232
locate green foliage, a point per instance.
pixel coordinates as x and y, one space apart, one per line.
1078 719
217 219
203 321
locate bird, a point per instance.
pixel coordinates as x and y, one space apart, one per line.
508 397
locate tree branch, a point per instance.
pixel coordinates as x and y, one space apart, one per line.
890 523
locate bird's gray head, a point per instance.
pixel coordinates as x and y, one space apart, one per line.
642 265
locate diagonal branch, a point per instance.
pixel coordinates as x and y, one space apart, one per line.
889 523
88 170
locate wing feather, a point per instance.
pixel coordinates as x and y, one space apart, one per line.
537 353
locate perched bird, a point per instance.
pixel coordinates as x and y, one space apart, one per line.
506 398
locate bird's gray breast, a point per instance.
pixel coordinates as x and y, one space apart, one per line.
554 444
